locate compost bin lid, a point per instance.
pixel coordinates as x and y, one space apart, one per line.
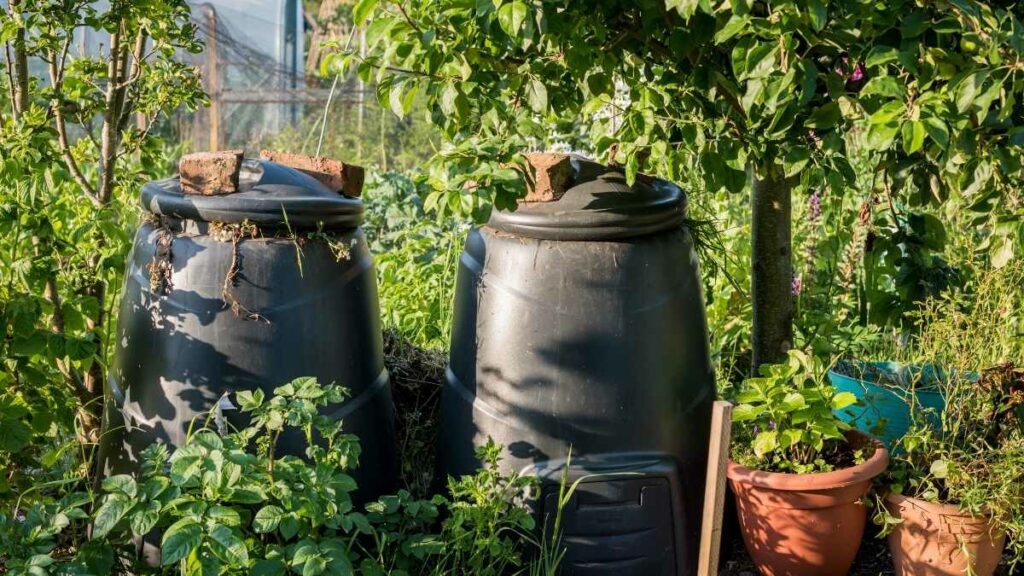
268 193
598 206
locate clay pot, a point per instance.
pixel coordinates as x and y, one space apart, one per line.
941 540
805 524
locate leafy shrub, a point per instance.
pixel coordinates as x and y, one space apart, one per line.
786 421
972 453
416 255
224 503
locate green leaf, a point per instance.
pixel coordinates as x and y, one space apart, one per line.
734 26
537 95
842 400
1002 252
880 55
880 136
761 60
111 512
793 401
937 130
270 567
289 526
15 435
231 544
686 8
913 136
267 519
817 12
249 400
224 515
791 437
362 10
939 468
144 520
914 24
825 116
766 442
968 89
120 483
180 539
30 346
808 80
512 16
745 412
395 99
888 111
886 86
448 95
795 160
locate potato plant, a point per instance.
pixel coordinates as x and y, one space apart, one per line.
225 503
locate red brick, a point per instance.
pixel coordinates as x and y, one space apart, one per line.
210 173
335 174
551 178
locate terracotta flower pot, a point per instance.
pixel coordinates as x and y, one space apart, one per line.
941 540
805 524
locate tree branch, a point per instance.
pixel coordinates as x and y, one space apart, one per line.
138 56
56 67
111 118
407 18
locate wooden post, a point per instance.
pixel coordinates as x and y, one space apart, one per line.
213 77
714 489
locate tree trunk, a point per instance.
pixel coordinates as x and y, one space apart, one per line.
18 64
772 268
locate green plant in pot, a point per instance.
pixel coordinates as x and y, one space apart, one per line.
955 494
800 473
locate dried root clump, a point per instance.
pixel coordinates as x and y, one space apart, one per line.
339 249
235 233
160 268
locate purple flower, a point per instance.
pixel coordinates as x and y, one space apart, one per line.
814 206
757 430
841 66
858 73
856 78
796 286
771 425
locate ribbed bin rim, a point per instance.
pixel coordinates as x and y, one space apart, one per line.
599 206
269 193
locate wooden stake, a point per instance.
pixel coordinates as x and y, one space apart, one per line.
213 77
714 489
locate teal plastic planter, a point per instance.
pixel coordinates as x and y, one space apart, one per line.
886 391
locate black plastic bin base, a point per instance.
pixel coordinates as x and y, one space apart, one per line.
619 518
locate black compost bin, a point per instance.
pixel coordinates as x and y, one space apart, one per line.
580 323
212 305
